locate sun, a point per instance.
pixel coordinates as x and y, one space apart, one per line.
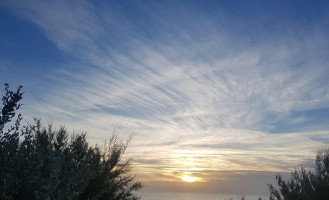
189 179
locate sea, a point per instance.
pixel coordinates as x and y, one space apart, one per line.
193 196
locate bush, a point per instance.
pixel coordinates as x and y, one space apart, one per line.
305 184
43 163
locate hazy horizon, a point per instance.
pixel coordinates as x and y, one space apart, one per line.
218 95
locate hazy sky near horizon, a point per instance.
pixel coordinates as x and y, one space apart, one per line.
216 90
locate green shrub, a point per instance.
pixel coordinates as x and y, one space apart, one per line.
44 163
305 184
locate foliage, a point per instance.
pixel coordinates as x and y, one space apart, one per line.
305 184
43 163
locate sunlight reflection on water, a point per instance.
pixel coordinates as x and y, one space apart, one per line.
191 196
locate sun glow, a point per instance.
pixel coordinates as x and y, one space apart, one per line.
189 179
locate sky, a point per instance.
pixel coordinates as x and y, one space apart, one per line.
222 93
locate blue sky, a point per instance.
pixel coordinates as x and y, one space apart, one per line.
210 89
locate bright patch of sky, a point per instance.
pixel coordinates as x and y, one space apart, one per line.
209 88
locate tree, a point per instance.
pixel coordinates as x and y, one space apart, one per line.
305 184
9 139
44 163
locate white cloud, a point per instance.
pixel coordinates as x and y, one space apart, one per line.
208 98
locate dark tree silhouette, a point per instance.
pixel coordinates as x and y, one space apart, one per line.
44 163
305 184
9 139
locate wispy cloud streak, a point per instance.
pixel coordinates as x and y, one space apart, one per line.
197 96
